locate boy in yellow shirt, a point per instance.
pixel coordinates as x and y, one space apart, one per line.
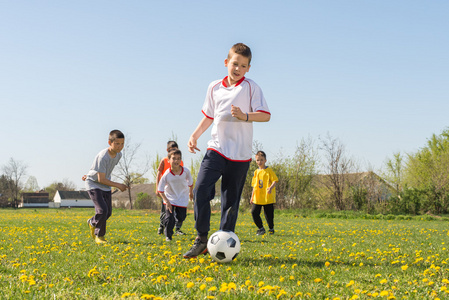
264 194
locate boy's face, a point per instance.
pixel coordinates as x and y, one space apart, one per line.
260 161
117 145
237 66
175 160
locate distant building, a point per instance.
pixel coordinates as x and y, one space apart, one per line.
72 199
121 199
39 199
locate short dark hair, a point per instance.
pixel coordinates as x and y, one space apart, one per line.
174 152
116 134
261 153
171 144
241 49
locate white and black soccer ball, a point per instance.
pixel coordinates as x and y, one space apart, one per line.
223 246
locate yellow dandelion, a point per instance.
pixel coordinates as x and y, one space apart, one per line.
404 267
318 280
190 285
350 283
327 264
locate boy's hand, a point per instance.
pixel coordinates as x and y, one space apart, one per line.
191 196
84 177
192 145
269 190
237 113
122 187
169 207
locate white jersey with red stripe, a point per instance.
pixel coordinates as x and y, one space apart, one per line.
231 137
176 187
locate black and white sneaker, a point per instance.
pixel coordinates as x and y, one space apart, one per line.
179 232
160 230
260 231
198 248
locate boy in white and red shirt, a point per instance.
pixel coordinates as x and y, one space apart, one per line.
231 105
175 188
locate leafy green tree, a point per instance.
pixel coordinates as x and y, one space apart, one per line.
395 171
427 170
302 169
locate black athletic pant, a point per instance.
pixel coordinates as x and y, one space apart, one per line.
268 210
233 175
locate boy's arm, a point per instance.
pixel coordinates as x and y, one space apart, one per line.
271 187
200 129
167 202
159 175
252 195
191 192
103 180
257 116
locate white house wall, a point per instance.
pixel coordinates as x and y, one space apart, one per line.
75 203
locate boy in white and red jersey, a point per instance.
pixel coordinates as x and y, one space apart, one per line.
164 165
231 105
175 188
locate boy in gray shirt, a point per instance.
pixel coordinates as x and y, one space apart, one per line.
98 184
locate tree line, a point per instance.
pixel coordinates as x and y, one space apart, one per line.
320 174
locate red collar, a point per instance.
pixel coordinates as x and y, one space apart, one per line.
225 81
182 171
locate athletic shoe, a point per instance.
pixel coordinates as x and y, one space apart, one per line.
92 229
160 230
271 231
197 248
100 240
260 231
179 232
167 239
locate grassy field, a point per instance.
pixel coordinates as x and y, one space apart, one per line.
48 254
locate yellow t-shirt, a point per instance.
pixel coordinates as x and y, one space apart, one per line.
264 178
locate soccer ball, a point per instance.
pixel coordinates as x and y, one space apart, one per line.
223 246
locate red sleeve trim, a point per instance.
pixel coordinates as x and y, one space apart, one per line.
267 112
206 115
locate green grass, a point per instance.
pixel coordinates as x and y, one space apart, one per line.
48 254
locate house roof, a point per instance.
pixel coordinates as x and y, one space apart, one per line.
73 195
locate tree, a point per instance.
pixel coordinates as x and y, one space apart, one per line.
14 171
337 167
427 170
5 192
395 171
64 185
129 170
31 185
302 169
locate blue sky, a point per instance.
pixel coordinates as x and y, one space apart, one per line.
373 74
